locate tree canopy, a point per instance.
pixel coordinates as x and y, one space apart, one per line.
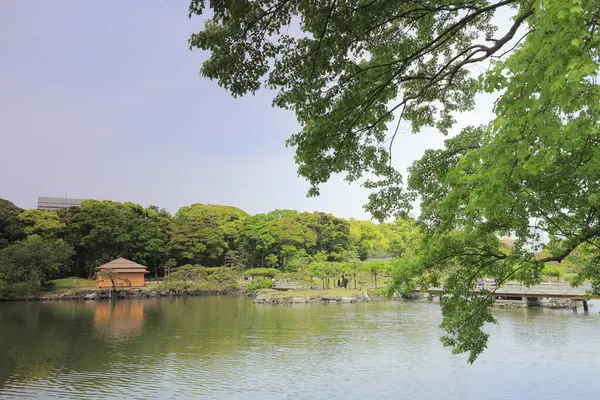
34 260
197 235
349 68
353 70
11 228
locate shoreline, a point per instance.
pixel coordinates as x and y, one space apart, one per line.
263 298
123 294
267 297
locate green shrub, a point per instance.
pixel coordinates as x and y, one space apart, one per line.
553 271
256 284
72 282
173 285
264 272
380 292
186 272
221 276
19 289
205 286
5 289
200 278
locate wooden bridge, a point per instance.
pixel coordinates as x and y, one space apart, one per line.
532 294
509 291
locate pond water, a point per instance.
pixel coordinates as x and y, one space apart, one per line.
229 348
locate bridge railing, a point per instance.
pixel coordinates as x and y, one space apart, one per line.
554 287
517 287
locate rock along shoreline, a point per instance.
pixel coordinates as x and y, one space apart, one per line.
259 297
95 294
309 299
265 299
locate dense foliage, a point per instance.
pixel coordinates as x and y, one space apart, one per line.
349 68
200 278
40 245
10 227
35 261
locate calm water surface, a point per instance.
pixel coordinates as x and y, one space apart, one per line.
229 348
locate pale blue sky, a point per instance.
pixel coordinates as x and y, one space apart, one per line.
103 100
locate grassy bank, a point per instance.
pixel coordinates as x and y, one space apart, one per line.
69 283
212 282
56 286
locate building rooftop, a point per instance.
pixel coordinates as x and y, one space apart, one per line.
123 265
56 203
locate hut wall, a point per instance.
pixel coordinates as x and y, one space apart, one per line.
136 279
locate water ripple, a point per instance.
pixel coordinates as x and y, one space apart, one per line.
230 349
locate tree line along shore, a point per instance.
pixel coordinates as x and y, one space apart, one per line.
201 247
39 249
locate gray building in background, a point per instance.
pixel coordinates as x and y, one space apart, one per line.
56 203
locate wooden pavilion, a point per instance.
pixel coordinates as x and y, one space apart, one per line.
125 272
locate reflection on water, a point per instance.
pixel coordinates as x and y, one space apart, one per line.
225 347
119 320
